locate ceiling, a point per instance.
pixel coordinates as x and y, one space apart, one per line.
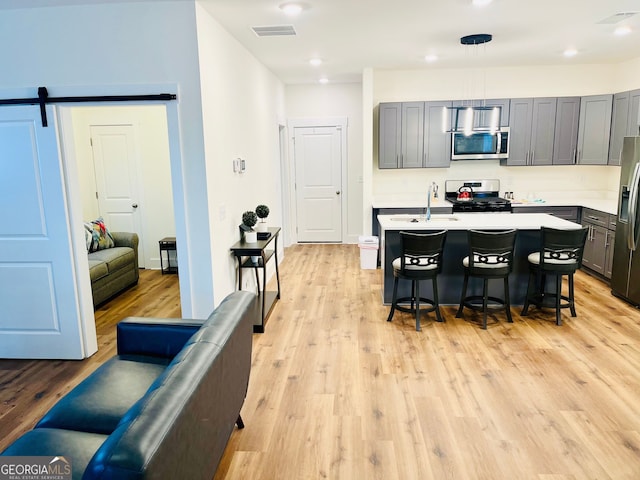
351 35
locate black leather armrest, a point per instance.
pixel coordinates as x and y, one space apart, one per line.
163 337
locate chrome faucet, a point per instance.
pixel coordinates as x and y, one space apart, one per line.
435 189
428 214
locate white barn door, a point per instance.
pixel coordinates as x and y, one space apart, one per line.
38 286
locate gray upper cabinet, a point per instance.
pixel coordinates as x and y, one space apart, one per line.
412 145
520 118
411 136
542 131
437 143
619 121
594 128
565 142
389 135
531 131
484 118
624 122
633 125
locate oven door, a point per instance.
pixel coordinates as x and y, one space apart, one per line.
480 145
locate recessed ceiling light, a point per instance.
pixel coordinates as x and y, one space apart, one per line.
570 52
324 80
315 62
430 58
481 3
292 8
624 30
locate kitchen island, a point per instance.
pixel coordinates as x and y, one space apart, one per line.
455 249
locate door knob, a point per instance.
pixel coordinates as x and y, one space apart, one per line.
135 205
338 192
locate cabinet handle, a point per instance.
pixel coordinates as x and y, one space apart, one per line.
526 158
578 157
593 217
533 156
575 156
606 238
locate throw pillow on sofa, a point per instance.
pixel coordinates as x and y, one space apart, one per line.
97 236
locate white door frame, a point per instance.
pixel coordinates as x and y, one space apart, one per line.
337 122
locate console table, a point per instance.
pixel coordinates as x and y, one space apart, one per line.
168 244
243 252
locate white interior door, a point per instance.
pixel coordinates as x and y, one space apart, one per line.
38 286
115 159
318 164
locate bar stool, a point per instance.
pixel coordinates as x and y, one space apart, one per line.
420 259
490 257
561 255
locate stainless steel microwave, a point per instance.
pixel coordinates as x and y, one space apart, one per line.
480 145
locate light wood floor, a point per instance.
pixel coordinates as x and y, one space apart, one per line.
337 392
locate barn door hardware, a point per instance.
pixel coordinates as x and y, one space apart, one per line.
43 99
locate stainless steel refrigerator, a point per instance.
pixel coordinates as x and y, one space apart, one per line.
625 279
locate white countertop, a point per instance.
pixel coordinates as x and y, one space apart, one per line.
412 201
475 221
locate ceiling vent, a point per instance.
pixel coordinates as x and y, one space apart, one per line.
618 17
274 31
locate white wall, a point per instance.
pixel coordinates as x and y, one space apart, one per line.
155 195
336 100
627 76
127 48
243 104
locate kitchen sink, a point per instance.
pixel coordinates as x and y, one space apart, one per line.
415 219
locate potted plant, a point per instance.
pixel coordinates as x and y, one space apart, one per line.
262 211
249 219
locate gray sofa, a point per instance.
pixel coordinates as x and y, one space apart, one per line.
114 269
163 408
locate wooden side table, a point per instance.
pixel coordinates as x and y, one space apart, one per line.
168 244
243 252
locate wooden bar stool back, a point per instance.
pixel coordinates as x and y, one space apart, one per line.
490 257
420 259
560 254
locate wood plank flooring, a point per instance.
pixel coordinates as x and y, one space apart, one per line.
29 388
337 392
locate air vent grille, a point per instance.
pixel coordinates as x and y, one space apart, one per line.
618 17
274 31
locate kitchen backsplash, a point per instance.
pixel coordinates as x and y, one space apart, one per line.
525 182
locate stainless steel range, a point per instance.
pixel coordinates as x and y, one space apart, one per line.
476 196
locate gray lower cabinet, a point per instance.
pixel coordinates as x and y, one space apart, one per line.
598 249
531 131
567 213
565 141
594 128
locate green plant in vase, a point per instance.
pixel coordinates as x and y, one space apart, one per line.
262 211
249 219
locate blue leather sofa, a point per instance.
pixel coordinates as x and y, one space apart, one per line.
164 407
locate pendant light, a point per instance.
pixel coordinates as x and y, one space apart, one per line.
469 118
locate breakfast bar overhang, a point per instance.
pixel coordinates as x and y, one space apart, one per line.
456 248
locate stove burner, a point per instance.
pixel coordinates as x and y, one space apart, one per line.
485 196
